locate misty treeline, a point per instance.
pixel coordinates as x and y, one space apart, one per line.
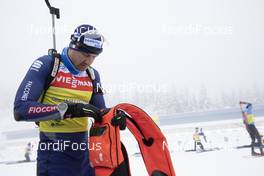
171 100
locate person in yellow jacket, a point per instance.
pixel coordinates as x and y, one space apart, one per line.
197 139
60 94
248 120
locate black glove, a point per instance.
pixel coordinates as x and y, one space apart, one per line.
119 120
83 110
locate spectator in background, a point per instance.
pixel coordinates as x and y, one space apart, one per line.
197 139
248 120
28 150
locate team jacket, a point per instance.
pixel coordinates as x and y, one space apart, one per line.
248 115
66 87
196 137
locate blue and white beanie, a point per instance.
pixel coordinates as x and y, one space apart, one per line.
86 38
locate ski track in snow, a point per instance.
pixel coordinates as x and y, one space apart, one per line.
223 134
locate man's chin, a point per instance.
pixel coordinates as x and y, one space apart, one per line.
82 68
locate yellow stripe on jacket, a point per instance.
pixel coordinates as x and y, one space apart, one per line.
72 89
249 119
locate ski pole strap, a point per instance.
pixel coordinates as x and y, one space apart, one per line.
53 10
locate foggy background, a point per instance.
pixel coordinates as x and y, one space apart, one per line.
165 56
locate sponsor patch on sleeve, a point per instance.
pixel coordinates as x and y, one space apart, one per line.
36 65
41 109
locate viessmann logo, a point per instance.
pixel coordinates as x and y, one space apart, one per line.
68 81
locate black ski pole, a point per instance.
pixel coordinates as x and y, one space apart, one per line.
53 11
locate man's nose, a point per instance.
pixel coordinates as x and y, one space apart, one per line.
89 59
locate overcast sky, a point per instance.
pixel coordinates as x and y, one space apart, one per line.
214 43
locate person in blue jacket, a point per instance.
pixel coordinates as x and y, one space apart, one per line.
248 120
63 109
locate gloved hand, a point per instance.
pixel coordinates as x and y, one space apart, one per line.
119 120
83 110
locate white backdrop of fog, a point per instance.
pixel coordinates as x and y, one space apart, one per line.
216 44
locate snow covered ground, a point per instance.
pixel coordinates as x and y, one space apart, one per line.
224 135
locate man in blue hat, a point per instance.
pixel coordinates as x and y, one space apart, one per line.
62 108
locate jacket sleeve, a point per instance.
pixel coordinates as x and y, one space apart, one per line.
98 99
26 105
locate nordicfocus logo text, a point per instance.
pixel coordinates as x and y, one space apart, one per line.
26 91
38 109
73 82
61 145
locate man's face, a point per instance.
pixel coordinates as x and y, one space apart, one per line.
81 60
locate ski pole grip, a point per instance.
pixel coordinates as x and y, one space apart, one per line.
53 10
